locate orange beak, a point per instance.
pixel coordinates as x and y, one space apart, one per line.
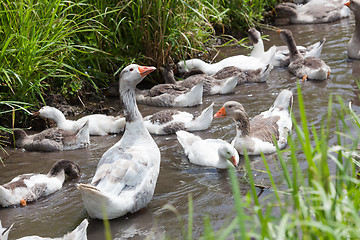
221 113
278 31
23 202
145 70
36 113
347 3
233 161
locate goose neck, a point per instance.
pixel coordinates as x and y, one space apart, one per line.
130 108
357 26
242 126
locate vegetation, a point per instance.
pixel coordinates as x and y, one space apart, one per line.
317 204
81 45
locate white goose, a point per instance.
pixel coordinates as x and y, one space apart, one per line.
53 139
303 67
282 58
4 232
79 233
99 124
171 120
315 11
126 175
240 61
209 152
30 187
256 135
354 43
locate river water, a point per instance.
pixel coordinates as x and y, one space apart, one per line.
62 211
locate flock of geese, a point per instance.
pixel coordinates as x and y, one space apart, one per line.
126 175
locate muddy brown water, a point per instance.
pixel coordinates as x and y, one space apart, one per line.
62 211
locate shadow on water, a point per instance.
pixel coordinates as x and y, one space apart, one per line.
61 212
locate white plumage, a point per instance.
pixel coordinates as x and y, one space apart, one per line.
126 174
209 152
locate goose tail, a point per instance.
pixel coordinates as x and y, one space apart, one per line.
83 135
315 49
100 205
191 98
186 139
204 120
265 73
79 233
284 100
4 232
229 85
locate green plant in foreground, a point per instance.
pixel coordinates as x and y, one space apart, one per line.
9 108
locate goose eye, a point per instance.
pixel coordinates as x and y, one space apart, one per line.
131 69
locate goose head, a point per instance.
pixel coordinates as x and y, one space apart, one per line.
234 110
228 153
286 10
254 35
237 112
133 74
191 64
48 112
71 169
354 5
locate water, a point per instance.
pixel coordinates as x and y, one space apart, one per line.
62 211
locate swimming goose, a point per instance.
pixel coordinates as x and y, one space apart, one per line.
209 152
171 95
256 135
79 233
316 11
4 232
169 121
282 58
99 124
240 61
53 139
303 67
30 187
354 43
211 85
126 175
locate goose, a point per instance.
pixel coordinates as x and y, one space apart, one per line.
53 139
126 175
211 85
240 61
4 232
171 120
316 11
256 135
79 233
282 58
354 43
99 124
27 188
208 152
303 67
171 95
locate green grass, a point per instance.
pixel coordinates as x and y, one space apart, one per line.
71 47
316 204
